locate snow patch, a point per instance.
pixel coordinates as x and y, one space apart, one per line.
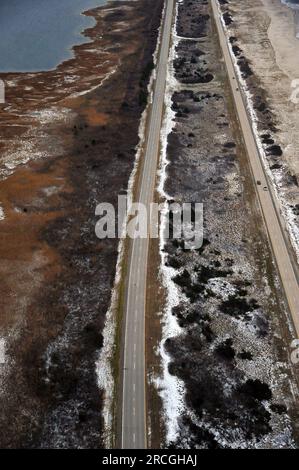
2 351
89 90
2 214
51 115
221 288
35 143
170 388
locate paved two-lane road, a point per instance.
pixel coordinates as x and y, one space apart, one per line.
274 223
133 426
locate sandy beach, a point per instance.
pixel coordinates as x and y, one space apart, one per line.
267 35
263 38
285 44
282 35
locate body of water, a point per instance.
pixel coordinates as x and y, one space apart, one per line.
291 3
37 35
294 4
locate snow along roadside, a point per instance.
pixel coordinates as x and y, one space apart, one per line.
104 369
275 176
170 388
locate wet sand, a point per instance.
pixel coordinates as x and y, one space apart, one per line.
282 35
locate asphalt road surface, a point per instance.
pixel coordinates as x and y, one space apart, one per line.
273 220
133 426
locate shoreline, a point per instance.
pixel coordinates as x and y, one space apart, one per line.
271 71
33 98
82 39
58 275
283 40
297 24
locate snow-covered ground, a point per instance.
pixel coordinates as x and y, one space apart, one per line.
171 389
246 334
2 214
